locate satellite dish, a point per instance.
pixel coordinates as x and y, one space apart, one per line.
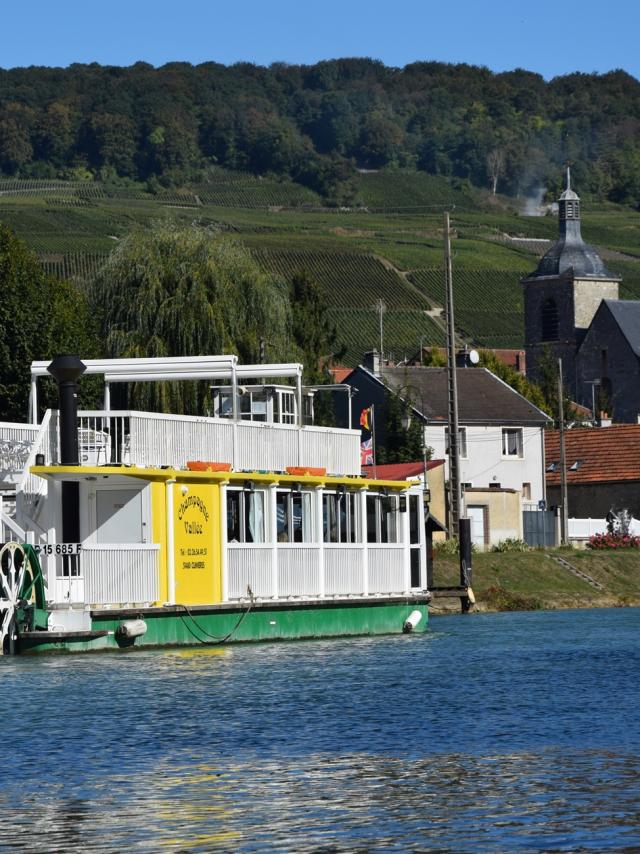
474 358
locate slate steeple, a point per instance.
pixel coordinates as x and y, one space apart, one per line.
570 255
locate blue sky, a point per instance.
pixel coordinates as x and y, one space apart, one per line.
548 36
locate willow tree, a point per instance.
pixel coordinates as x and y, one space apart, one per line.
40 317
188 292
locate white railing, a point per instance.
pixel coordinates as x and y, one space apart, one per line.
16 441
582 529
344 570
10 530
253 566
113 575
153 439
386 569
298 570
32 490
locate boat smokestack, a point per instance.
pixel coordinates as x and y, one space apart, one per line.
66 370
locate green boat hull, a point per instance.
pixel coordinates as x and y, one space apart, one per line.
176 626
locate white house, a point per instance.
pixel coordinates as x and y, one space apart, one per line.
501 432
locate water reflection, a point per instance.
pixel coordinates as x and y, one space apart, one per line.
530 802
492 734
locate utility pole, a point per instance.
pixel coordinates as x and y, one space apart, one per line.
452 386
564 511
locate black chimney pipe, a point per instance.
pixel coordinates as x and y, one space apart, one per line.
66 370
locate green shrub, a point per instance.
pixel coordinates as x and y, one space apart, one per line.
499 599
511 544
450 547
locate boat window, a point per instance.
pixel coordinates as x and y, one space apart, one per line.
382 518
372 524
414 519
330 521
340 517
287 407
293 517
307 408
245 516
226 405
282 516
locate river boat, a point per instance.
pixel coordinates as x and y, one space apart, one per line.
128 529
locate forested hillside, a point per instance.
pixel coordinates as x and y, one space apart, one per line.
315 125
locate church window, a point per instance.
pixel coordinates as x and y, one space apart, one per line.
549 320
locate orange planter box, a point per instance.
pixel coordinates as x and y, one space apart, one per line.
199 465
302 470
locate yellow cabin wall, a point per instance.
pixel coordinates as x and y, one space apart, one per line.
197 543
159 533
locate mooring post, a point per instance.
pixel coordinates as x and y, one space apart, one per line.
466 568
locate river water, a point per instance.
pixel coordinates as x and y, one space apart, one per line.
498 732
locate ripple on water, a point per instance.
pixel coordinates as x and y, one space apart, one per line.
500 733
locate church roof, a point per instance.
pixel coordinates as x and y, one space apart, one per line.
626 314
570 255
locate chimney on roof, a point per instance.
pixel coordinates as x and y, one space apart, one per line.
371 361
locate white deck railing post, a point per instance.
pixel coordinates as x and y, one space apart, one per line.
319 492
273 538
406 550
365 544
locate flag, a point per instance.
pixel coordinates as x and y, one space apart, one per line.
365 418
366 452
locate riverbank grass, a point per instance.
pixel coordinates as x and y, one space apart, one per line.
535 579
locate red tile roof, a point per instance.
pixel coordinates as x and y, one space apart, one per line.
600 454
399 471
515 359
340 374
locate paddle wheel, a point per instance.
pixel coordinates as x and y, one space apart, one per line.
22 595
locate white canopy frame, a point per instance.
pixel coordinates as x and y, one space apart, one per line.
162 369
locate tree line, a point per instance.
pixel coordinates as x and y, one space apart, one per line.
163 291
317 124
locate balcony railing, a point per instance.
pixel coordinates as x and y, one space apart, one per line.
153 439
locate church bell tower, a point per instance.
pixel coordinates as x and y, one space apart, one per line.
563 293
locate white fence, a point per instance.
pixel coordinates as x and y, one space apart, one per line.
152 439
582 529
107 575
297 570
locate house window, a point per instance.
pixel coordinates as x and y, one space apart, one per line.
340 517
512 442
293 517
526 491
462 441
382 518
245 516
550 324
287 407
